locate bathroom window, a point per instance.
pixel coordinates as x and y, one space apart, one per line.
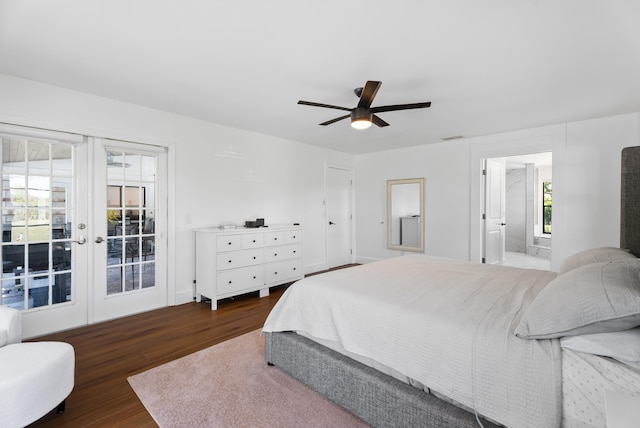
546 207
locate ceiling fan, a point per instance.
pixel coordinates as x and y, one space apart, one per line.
363 115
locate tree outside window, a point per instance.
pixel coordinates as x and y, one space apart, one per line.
546 207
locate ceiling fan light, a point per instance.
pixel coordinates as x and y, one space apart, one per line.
360 123
361 118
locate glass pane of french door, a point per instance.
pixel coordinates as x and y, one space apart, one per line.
131 235
36 211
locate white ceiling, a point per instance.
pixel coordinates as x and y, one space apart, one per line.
487 66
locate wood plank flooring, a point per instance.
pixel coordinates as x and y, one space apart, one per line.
109 352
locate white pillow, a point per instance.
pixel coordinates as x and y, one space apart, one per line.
594 255
623 346
595 298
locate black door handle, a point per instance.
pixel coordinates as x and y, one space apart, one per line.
331 223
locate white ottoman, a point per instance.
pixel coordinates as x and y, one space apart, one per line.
35 378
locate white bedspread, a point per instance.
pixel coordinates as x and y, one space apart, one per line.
447 324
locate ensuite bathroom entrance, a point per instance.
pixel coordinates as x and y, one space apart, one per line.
519 210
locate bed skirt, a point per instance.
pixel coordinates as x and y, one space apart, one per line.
378 399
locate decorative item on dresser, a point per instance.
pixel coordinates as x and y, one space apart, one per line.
230 262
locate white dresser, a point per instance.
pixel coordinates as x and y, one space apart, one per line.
238 261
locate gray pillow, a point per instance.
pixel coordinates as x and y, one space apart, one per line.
594 298
594 255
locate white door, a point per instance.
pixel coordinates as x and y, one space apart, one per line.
44 217
339 216
494 211
128 239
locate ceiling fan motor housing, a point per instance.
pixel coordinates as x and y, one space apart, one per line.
361 113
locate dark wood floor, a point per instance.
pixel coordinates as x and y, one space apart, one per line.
109 352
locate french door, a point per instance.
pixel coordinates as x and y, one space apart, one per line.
83 228
43 256
129 239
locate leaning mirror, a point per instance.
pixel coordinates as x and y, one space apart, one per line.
405 214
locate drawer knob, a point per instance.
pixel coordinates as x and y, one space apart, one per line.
254 277
294 268
275 254
229 261
229 243
275 239
294 251
275 273
254 257
254 241
229 282
294 236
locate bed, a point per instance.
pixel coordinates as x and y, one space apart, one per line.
425 341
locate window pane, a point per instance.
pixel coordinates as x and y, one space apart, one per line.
36 213
130 221
546 206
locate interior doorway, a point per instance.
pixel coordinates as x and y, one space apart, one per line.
339 185
524 226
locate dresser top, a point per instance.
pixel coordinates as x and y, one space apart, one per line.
242 229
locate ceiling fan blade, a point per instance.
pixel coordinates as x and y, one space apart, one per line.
329 122
309 103
369 93
376 120
400 107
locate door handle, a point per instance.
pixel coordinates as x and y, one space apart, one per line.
99 239
81 240
331 223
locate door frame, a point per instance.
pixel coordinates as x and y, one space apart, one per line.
328 167
548 139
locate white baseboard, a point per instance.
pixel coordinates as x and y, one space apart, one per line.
315 268
365 260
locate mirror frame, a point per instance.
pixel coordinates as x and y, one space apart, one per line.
390 184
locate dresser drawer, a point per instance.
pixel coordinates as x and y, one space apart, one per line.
292 236
228 243
283 271
252 240
236 259
283 252
236 280
274 238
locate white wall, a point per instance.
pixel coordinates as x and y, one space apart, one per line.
445 167
222 174
591 173
586 185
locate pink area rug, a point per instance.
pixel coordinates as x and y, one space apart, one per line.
231 385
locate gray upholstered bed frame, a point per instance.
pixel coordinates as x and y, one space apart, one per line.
378 399
384 401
